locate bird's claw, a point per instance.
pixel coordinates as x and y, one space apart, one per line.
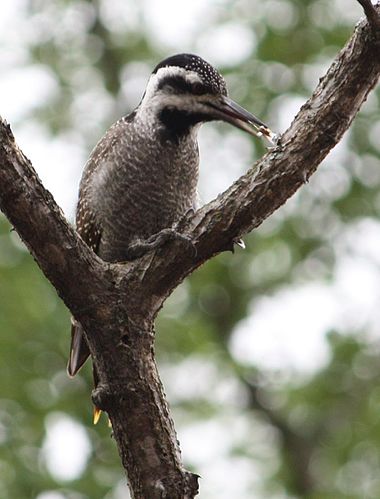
139 248
173 235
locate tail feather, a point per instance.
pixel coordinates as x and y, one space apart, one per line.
79 351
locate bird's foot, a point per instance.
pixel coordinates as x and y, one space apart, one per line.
140 247
184 219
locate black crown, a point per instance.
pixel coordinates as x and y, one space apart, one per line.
191 62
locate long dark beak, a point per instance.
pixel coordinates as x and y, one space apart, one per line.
228 110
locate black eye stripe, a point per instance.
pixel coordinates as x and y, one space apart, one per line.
199 88
180 84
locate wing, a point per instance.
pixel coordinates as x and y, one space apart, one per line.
90 233
88 226
79 351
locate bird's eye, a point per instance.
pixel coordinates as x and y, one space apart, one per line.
197 88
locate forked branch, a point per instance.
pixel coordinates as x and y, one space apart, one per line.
117 303
372 15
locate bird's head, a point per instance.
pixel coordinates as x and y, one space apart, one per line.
184 90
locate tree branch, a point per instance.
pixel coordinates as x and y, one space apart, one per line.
372 15
296 447
120 331
315 130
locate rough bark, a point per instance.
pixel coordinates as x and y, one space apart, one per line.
117 303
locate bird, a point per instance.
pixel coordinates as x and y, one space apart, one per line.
141 178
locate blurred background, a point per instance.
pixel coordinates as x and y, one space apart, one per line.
270 356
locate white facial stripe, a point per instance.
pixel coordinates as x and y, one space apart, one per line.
162 73
190 76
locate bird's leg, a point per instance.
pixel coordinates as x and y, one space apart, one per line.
184 218
140 247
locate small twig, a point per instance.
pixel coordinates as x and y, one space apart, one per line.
372 14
